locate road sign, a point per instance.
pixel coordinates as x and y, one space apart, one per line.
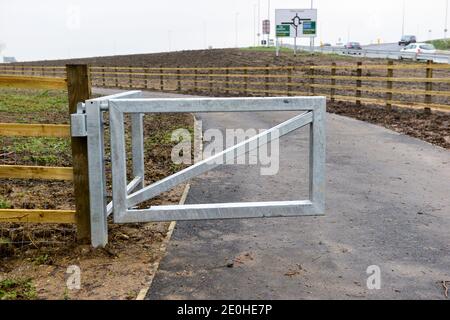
266 26
301 23
309 27
283 31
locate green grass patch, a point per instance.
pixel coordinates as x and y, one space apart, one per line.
4 204
266 49
300 53
39 151
43 259
441 44
17 289
26 100
35 106
163 136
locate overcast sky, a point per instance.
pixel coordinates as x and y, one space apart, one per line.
49 29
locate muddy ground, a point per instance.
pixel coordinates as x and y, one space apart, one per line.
206 58
431 127
37 256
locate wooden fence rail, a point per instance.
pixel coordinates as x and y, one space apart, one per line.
36 172
37 216
386 84
34 130
23 82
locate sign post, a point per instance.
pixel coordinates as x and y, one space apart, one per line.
266 30
295 23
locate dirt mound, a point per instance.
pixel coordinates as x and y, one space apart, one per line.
206 58
431 127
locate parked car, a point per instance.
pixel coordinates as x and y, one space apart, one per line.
414 50
407 40
353 46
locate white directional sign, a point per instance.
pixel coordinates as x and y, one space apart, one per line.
296 23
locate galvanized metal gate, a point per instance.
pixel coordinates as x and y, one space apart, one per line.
89 120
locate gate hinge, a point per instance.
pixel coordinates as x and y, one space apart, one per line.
78 126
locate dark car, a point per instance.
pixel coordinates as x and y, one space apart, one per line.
407 40
353 46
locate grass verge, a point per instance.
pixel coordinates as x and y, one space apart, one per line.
441 44
17 289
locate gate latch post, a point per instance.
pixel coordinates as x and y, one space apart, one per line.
78 126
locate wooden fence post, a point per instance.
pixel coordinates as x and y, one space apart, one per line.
178 79
358 83
429 85
195 79
245 81
267 80
116 71
79 90
227 80
289 83
103 77
312 73
389 85
161 78
130 77
333 81
210 81
145 78
42 71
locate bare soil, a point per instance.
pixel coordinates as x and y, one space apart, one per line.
431 127
205 58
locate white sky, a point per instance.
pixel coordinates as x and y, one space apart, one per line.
49 29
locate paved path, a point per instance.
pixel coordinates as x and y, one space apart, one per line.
388 204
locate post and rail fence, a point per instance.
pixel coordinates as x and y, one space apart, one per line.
77 85
379 84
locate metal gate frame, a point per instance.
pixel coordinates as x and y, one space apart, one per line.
127 195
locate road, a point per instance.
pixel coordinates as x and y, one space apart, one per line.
380 51
387 205
384 47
